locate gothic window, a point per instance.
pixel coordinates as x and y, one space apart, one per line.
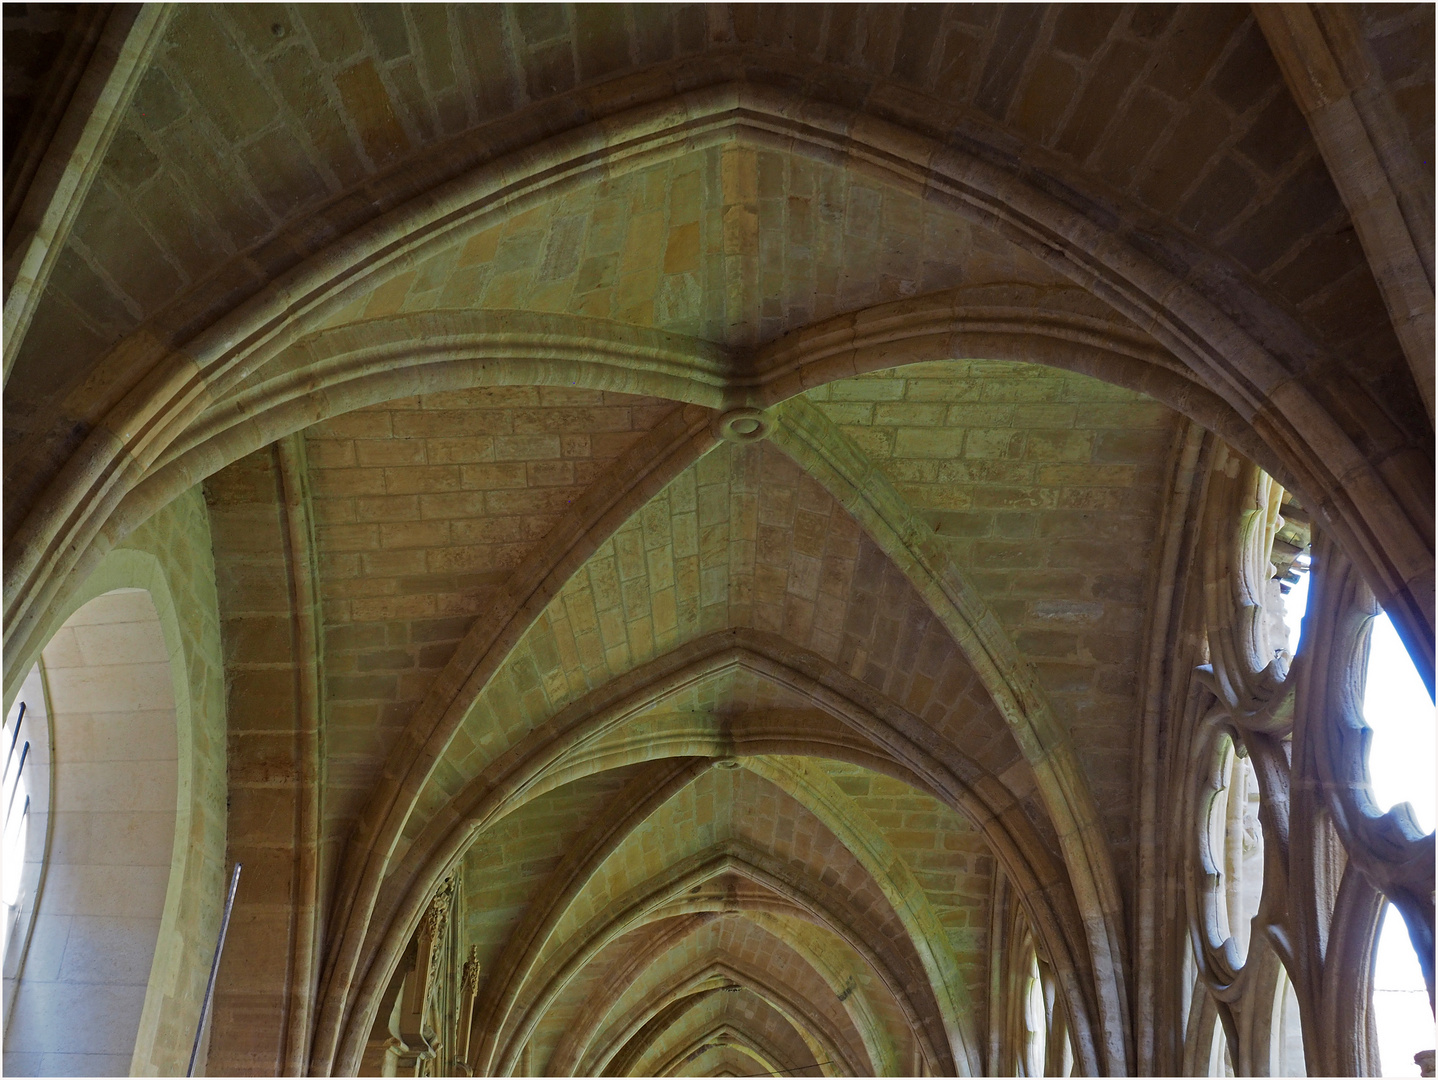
1399 713
1242 1016
1400 1000
1291 557
1304 695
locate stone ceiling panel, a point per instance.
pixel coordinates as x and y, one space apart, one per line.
422 507
307 107
734 246
517 854
943 851
1045 487
720 806
742 539
251 119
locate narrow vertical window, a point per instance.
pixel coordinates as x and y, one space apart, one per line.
15 798
1035 1021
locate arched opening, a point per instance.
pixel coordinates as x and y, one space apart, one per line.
1401 1012
1043 1040
1235 846
1399 712
1219 1061
82 983
1286 1031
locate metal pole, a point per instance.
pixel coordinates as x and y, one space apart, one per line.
214 968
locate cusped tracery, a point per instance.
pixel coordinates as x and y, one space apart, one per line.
1231 851
1279 828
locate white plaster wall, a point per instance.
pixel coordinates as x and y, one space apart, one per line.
83 987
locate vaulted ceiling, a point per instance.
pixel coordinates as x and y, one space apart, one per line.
716 457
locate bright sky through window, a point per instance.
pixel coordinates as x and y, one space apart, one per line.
1397 707
1295 603
1400 1000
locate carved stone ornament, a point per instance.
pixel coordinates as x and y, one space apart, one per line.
742 425
436 921
1248 672
469 981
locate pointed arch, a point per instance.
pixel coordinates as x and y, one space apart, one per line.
666 894
183 596
725 1036
595 1043
557 751
1253 362
812 789
625 1041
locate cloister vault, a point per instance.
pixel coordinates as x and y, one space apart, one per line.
693 491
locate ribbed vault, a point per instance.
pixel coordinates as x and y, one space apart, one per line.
689 488
811 642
